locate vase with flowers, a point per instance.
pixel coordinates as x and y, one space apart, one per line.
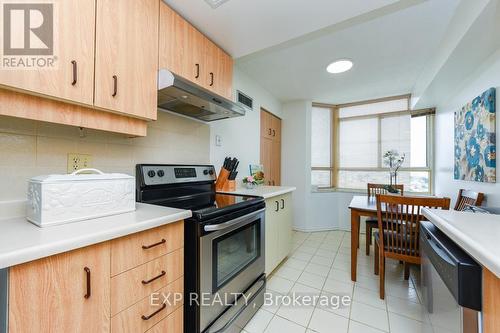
394 161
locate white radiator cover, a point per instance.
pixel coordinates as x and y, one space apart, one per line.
58 199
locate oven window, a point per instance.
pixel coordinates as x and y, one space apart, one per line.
234 251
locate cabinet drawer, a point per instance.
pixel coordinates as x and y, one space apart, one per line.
133 250
133 285
172 324
145 314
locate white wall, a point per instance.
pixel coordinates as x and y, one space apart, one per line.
241 136
312 211
487 76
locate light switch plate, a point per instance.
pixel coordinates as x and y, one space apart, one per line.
79 161
218 140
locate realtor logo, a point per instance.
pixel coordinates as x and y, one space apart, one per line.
28 35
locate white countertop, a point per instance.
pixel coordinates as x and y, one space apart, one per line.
477 234
263 191
22 241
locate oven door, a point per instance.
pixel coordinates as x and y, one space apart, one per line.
231 260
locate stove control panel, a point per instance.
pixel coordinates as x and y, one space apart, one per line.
172 174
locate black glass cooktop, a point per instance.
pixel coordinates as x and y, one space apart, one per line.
210 205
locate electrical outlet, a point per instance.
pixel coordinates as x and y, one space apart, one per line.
79 161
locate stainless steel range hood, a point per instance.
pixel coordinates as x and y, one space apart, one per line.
179 95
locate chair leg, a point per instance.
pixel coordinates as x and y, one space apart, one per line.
407 270
381 268
368 239
359 232
375 248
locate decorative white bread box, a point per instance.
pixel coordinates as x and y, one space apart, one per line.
58 199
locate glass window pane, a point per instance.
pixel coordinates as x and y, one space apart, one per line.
321 123
358 145
418 142
374 108
321 178
395 134
359 179
413 181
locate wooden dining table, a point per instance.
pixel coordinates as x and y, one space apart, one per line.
360 205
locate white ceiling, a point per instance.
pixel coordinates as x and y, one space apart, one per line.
389 52
242 27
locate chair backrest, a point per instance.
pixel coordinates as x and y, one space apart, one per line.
374 189
466 197
400 217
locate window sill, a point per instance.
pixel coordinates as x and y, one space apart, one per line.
315 189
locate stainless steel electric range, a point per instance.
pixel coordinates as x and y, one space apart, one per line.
224 278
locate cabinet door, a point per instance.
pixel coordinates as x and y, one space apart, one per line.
127 57
266 147
285 232
224 75
74 49
276 128
195 56
271 236
276 163
173 42
220 71
265 124
49 295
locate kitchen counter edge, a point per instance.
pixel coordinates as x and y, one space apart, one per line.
263 191
476 234
22 241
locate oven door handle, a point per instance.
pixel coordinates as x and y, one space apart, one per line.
228 224
243 308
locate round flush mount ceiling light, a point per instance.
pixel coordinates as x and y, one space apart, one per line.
339 66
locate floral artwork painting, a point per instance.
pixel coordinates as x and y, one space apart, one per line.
475 139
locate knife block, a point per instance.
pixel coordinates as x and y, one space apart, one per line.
221 180
229 186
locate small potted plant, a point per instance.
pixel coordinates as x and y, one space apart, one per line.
393 160
250 182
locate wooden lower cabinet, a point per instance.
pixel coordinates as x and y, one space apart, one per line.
51 294
491 302
278 230
76 291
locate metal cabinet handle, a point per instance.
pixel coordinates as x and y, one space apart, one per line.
115 85
155 278
211 79
282 203
277 206
144 317
146 247
197 71
89 288
270 132
274 183
274 133
75 72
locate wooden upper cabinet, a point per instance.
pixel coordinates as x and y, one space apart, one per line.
54 294
220 70
126 68
181 46
188 53
74 49
270 147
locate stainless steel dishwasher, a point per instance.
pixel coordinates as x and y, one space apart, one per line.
451 283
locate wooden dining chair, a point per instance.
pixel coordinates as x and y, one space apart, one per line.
372 222
468 198
398 231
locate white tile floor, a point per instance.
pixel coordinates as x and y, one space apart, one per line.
320 264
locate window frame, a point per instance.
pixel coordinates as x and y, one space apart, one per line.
334 167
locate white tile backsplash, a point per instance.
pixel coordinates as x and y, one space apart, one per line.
30 148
